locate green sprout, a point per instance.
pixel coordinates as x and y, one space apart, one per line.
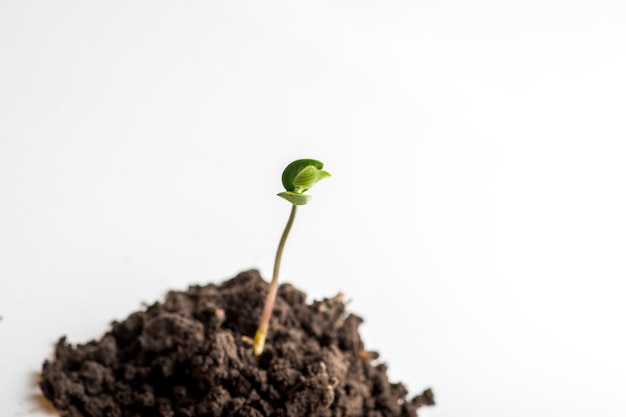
298 177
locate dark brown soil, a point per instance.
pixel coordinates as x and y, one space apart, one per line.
189 356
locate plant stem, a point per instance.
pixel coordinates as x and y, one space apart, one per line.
264 322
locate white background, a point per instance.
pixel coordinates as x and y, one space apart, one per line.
475 217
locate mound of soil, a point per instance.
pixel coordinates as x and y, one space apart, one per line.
188 357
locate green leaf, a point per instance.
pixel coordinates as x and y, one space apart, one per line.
294 168
298 177
295 198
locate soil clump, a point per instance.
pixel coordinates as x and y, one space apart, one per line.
188 356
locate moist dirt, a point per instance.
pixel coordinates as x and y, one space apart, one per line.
190 356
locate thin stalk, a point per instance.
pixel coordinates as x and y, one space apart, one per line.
264 322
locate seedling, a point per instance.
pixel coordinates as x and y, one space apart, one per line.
298 177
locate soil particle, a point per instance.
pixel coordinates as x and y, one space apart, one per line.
189 357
